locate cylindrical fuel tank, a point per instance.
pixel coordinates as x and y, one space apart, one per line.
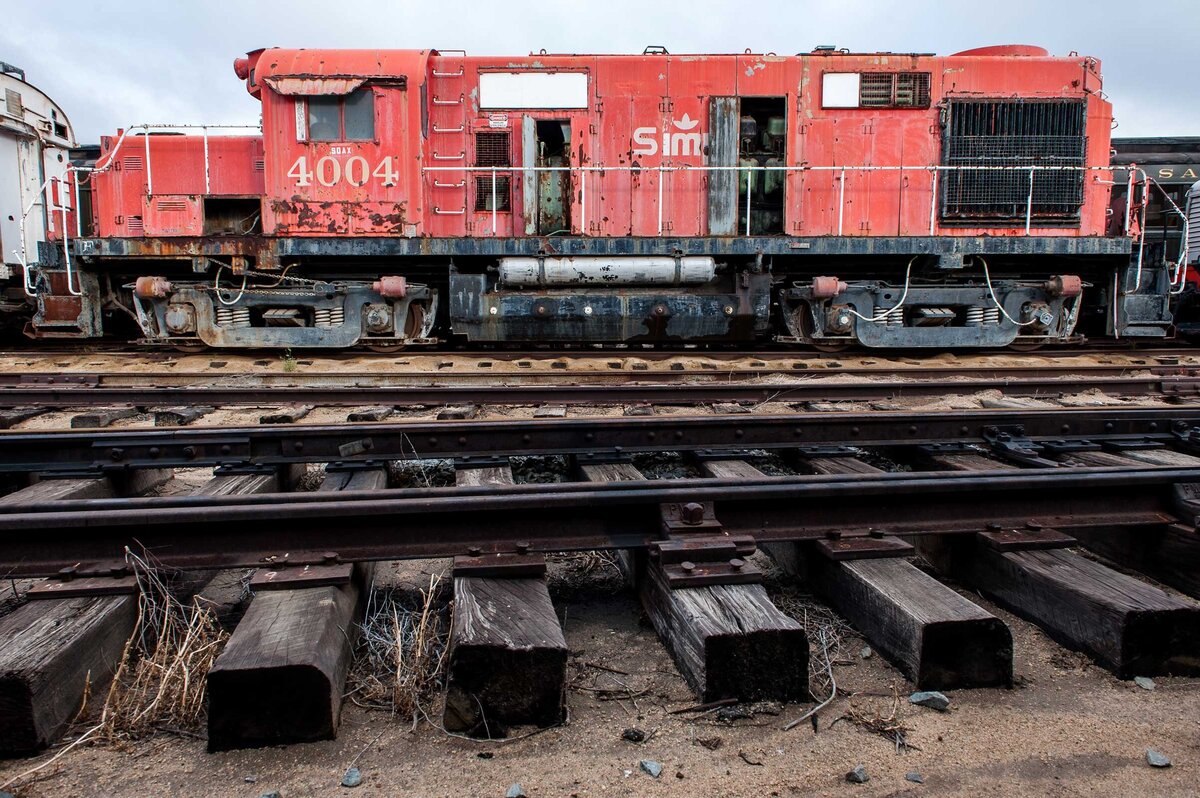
600 270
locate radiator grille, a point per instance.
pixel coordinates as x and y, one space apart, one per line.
893 90
990 133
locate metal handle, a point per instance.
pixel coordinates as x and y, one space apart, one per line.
441 212
458 157
458 129
436 101
459 184
457 74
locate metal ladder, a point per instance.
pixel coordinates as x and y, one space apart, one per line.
449 190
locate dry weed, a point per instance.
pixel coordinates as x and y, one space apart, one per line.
402 651
161 682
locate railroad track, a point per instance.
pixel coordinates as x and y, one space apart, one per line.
1000 500
48 391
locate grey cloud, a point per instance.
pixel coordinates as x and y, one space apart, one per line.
138 61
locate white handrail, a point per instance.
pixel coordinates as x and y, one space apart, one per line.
934 170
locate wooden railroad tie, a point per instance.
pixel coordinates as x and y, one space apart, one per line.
281 675
937 638
1127 625
52 650
727 637
508 656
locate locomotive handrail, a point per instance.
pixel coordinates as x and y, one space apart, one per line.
934 169
63 208
147 129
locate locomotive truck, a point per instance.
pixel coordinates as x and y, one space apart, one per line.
397 198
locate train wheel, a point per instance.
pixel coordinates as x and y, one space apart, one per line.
385 349
190 349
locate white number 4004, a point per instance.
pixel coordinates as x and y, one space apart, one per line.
329 171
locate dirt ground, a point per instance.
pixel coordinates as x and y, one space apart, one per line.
1068 728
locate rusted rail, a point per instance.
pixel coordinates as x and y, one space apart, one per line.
675 388
1036 485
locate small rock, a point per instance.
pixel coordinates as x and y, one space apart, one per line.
515 791
651 767
1144 682
634 735
272 794
485 755
930 698
247 779
858 775
766 708
866 652
4 794
914 777
730 714
1157 759
353 777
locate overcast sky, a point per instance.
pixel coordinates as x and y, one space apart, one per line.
129 61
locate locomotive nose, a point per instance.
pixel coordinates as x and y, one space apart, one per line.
241 67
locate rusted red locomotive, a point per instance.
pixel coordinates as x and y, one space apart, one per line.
403 197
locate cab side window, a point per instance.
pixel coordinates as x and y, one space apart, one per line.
342 118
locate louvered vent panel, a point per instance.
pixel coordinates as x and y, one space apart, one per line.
258 164
12 103
912 90
132 163
171 206
135 226
875 89
894 90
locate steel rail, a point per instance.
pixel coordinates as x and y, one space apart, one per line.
93 451
217 532
484 374
624 393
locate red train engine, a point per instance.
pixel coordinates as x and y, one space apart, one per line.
402 197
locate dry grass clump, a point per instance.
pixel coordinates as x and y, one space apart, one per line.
161 682
889 726
401 658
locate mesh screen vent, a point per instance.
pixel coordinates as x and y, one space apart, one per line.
483 193
893 90
492 148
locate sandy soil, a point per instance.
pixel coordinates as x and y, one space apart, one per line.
1067 729
371 368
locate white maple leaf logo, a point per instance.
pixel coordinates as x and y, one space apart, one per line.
687 123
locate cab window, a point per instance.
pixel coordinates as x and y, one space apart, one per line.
342 118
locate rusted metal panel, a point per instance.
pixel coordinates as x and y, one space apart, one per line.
722 151
172 215
305 84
